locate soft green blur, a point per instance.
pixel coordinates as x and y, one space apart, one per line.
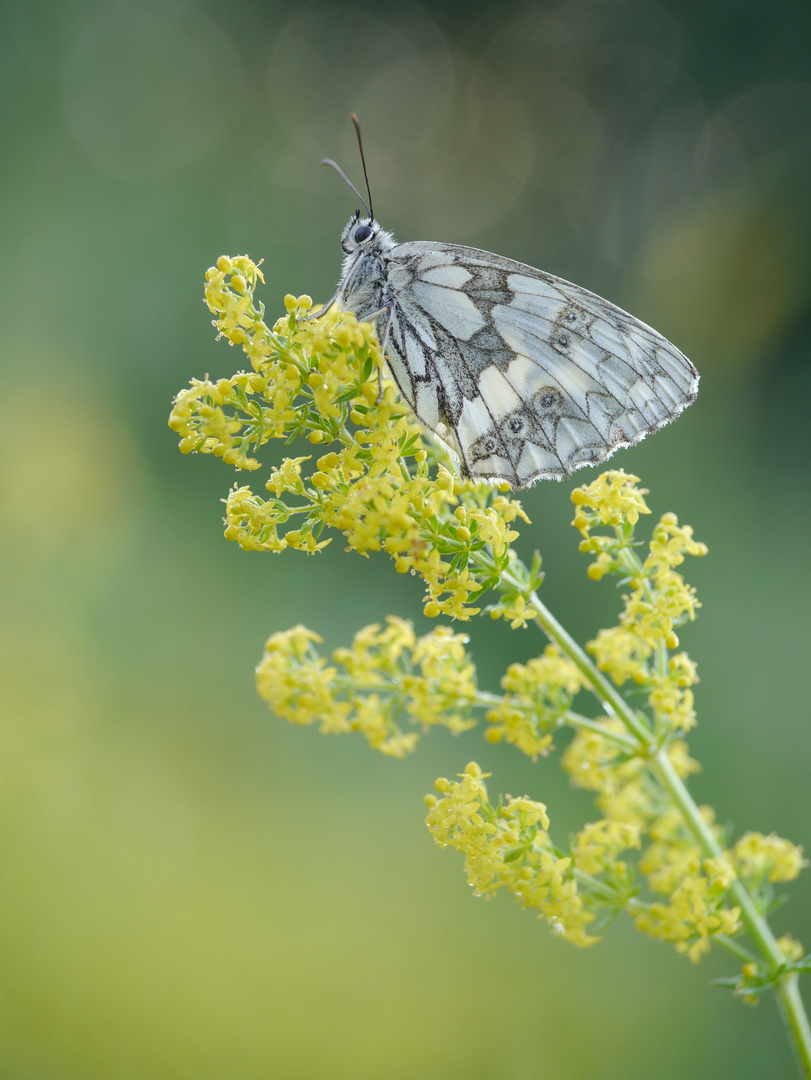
191 889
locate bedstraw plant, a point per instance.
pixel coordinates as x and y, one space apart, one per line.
367 475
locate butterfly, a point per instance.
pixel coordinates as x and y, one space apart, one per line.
518 374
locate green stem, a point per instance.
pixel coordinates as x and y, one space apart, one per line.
483 699
788 994
603 889
796 1021
734 947
624 742
756 926
599 684
794 1016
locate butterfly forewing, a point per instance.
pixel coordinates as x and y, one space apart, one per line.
520 374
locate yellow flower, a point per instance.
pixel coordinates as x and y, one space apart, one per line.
539 693
515 610
297 684
669 544
597 845
791 949
621 654
720 873
508 848
287 477
370 718
672 704
253 522
659 601
613 499
519 728
591 760
691 918
666 864
387 678
769 857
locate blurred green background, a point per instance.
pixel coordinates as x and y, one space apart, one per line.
191 889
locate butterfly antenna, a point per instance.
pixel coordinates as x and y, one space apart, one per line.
343 176
356 122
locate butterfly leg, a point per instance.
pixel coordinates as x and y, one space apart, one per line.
384 344
322 310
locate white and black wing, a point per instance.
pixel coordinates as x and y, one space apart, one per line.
521 374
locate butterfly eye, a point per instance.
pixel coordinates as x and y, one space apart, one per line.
363 232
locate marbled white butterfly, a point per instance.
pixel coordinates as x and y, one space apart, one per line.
519 374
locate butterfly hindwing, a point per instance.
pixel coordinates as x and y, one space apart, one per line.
521 374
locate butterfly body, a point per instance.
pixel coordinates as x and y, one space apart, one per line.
519 374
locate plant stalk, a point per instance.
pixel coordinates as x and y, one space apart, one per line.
791 1005
795 1020
600 685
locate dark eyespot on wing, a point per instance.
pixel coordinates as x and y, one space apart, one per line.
547 398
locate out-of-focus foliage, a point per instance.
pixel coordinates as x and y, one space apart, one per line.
190 887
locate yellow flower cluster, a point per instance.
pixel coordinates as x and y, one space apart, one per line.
214 417
790 948
770 858
671 860
695 887
660 599
538 696
626 791
692 917
641 648
598 844
386 678
673 854
320 379
508 847
612 499
199 416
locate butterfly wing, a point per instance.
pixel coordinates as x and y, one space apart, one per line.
521 374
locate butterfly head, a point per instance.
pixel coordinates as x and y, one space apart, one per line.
364 233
